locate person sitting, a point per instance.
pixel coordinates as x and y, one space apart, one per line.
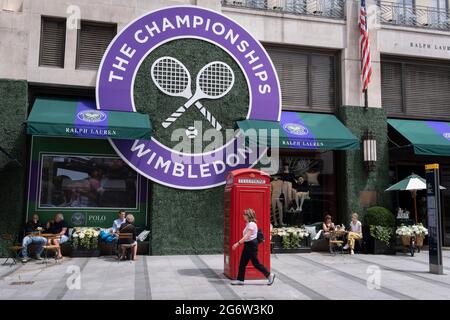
327 226
32 236
354 233
128 227
60 228
118 222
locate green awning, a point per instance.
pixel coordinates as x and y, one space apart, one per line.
80 118
427 137
300 130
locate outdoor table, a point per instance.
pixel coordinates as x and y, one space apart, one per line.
335 240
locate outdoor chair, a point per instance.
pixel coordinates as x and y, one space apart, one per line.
51 247
13 249
127 247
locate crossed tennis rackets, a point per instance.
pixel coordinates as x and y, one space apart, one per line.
171 77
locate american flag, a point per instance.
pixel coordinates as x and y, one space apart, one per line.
366 64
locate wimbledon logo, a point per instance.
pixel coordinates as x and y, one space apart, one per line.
91 116
214 80
296 129
447 135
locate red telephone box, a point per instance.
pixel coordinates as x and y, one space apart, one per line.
246 188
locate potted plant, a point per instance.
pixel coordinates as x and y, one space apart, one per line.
378 229
383 238
290 239
85 242
420 232
405 233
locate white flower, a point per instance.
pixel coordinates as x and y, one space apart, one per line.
81 235
75 235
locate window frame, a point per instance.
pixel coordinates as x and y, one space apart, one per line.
41 36
94 24
310 52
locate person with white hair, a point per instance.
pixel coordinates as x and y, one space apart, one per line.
60 228
125 243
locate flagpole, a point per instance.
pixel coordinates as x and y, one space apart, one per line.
366 100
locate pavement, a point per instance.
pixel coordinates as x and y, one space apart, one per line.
304 276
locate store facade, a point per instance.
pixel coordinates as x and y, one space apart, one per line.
317 109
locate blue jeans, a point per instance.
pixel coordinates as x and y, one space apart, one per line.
40 241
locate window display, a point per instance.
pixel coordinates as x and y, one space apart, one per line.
303 190
86 181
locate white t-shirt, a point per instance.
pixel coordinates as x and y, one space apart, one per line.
117 223
254 229
356 227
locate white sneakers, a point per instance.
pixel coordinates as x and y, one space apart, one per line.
270 280
352 252
345 247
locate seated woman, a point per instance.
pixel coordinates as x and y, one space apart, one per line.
327 226
128 227
354 233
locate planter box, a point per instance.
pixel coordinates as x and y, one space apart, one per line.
379 247
85 253
278 246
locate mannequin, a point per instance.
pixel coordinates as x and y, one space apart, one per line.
276 190
301 193
288 181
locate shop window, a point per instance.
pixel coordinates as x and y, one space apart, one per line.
308 79
69 181
304 188
53 42
93 40
415 88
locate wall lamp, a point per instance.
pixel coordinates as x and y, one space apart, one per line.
370 150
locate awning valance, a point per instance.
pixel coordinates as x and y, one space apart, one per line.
301 130
80 118
427 137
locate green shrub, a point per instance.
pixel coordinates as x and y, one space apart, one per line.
383 234
379 216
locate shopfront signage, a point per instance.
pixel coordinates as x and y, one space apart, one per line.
140 52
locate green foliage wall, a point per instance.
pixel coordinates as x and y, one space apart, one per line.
13 112
187 222
352 175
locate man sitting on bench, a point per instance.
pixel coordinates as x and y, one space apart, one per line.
32 237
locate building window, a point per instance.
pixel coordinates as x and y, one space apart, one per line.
93 39
304 188
308 79
53 42
415 88
74 181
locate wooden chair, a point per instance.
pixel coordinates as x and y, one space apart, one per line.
51 247
123 236
13 249
335 242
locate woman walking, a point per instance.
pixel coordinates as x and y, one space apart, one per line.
250 252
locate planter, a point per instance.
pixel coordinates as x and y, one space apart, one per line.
375 246
85 253
381 248
277 243
292 250
419 240
405 240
